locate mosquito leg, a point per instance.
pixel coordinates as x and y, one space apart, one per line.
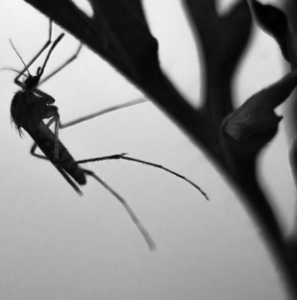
104 111
123 156
167 170
71 59
129 210
32 152
48 42
57 124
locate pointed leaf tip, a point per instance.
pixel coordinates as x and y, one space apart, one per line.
274 22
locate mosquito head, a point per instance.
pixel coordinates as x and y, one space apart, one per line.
31 82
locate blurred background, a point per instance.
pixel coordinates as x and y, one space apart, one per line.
58 245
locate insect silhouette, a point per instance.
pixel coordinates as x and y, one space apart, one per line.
30 108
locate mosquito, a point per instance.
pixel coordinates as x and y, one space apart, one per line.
30 108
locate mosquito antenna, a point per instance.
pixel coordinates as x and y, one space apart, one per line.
16 51
151 244
124 157
10 69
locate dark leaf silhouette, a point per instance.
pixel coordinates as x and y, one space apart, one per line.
275 22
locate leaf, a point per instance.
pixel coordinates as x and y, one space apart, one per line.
274 22
126 27
256 115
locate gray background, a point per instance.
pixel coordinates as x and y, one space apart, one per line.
57 245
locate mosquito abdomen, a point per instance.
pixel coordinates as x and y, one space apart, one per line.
45 140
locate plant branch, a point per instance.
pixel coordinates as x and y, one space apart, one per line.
119 33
